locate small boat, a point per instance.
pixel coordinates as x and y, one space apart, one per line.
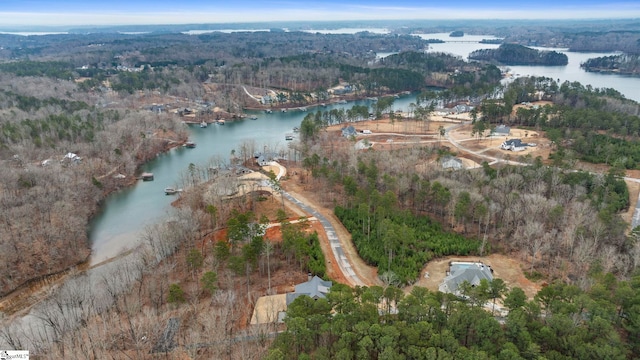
253 117
296 129
203 124
190 144
268 111
147 176
220 122
170 191
303 108
284 110
288 137
342 101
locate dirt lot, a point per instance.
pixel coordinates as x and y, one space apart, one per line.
504 267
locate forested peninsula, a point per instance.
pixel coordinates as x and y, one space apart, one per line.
618 64
513 54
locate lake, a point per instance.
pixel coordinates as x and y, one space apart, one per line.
126 213
629 86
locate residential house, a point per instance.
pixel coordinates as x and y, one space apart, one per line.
263 159
501 130
266 100
462 108
71 157
459 272
342 90
272 308
514 145
349 131
315 288
158 109
452 163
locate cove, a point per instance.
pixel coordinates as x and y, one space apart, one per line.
124 214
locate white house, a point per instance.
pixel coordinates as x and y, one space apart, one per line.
514 145
72 157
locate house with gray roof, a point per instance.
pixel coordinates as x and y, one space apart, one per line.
263 159
459 272
315 288
272 308
514 145
462 108
451 163
501 130
349 131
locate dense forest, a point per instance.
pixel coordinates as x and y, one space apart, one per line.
513 54
556 219
561 322
399 243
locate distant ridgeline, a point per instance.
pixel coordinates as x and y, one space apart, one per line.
513 54
619 64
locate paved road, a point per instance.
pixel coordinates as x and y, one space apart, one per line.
336 247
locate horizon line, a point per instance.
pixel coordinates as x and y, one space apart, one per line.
26 27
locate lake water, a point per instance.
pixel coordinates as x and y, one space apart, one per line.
126 213
629 86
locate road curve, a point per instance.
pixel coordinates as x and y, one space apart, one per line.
334 242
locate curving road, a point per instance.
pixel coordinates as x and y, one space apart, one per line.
334 242
336 246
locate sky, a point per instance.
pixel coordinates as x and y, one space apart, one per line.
143 12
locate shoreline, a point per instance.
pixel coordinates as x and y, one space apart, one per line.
35 286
